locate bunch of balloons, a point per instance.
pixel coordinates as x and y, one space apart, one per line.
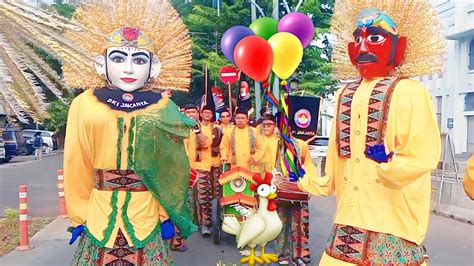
270 45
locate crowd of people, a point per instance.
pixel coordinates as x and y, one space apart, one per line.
232 141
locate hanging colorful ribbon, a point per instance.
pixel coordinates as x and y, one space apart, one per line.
289 161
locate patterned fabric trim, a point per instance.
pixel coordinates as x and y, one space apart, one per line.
253 145
155 253
379 105
364 247
113 180
293 242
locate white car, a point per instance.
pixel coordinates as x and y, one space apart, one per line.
29 136
2 150
319 147
318 150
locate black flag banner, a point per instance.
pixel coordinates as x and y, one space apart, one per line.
304 116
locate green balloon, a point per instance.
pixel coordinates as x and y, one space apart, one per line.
264 27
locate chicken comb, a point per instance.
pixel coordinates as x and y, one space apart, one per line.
257 180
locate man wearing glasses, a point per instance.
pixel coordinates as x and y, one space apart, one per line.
240 146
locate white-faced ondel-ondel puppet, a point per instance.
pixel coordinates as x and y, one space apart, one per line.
126 173
384 140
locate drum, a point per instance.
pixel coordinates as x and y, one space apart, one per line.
289 191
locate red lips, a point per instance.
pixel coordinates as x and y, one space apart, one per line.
129 80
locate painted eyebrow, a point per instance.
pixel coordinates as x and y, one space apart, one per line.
118 52
141 53
356 32
377 31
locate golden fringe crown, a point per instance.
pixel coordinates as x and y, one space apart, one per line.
416 19
157 19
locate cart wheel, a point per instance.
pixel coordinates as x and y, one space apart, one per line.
216 221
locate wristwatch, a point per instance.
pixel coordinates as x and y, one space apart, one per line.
197 128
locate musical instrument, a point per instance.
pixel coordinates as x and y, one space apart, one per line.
289 191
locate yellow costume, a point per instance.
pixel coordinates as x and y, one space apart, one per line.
243 143
91 143
200 155
270 149
469 178
391 197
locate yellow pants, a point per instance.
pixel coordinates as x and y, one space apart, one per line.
327 260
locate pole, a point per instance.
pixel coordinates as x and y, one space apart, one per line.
205 85
276 83
23 217
258 97
62 200
229 88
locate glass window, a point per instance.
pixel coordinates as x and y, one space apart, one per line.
439 108
469 102
471 55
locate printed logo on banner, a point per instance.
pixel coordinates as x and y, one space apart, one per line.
303 118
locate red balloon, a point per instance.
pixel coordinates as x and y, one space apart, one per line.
254 56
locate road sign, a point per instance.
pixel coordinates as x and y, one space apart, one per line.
229 74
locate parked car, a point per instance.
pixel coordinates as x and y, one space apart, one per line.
319 147
2 150
14 142
29 135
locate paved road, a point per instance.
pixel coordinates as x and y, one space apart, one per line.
449 242
41 179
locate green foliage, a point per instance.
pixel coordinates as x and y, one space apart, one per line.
57 110
12 217
207 28
65 10
49 59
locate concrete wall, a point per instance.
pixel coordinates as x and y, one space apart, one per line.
457 80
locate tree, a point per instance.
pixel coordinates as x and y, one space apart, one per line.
207 28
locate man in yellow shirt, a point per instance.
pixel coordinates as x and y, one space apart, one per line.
200 157
384 140
468 181
241 146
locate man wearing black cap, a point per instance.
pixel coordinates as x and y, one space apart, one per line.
241 146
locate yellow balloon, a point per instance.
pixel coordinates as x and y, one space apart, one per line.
287 54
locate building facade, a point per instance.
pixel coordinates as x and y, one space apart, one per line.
453 90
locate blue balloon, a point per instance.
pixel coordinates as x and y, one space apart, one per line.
231 38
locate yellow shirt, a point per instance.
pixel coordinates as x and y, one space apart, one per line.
270 149
469 178
205 163
242 148
391 197
308 165
226 128
91 143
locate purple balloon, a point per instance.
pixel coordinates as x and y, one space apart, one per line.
299 25
231 38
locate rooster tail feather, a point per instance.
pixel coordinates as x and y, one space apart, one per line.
231 226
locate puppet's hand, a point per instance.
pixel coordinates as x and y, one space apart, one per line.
377 153
167 229
76 232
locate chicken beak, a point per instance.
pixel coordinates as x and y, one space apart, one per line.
272 195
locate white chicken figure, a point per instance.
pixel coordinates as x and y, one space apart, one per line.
261 227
